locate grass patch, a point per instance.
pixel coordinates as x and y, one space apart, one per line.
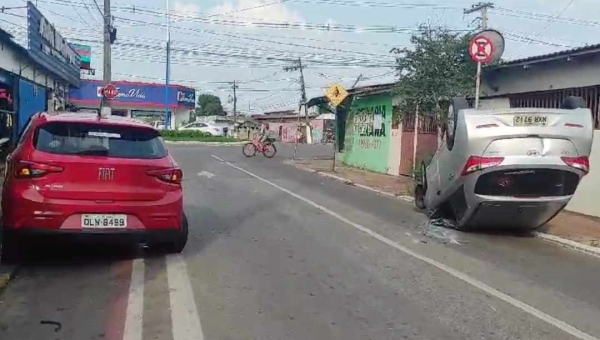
196 136
203 139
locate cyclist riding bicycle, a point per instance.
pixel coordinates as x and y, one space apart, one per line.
263 132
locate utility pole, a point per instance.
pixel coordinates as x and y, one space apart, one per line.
357 80
297 65
167 67
483 8
107 57
234 107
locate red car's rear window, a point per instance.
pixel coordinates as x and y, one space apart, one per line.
75 138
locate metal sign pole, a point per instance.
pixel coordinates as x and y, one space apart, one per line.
296 133
477 84
335 139
416 137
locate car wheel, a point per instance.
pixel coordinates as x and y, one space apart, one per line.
420 196
13 248
456 105
424 176
176 246
421 189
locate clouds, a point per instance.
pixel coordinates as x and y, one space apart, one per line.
255 10
186 9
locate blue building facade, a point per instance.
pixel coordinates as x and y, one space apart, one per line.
145 101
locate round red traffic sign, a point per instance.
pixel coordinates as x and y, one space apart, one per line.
110 92
481 49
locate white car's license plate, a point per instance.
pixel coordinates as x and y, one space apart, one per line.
98 221
524 120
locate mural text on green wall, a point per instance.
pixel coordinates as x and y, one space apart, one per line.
368 131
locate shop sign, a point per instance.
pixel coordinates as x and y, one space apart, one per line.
125 92
147 95
186 97
134 93
48 48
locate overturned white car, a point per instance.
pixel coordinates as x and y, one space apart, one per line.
507 167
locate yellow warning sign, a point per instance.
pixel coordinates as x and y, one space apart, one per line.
336 94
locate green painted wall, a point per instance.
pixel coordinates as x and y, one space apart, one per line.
368 132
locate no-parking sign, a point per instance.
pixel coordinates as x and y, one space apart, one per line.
481 49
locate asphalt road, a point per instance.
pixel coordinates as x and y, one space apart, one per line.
278 253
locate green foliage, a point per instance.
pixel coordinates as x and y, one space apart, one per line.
437 68
209 105
167 134
183 133
417 172
191 135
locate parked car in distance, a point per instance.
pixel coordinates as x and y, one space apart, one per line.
91 177
507 167
211 129
158 125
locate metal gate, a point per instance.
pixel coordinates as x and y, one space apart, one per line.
426 141
31 100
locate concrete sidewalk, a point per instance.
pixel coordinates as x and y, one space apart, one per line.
6 272
568 226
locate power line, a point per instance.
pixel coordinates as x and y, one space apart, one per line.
76 11
268 24
98 8
509 12
245 53
547 26
90 12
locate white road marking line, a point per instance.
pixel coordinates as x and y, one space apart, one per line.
184 314
565 327
205 174
134 318
218 158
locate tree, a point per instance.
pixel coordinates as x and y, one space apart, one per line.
209 105
436 69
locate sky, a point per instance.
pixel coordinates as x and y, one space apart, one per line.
216 42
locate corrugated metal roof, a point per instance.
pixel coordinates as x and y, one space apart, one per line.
9 39
591 49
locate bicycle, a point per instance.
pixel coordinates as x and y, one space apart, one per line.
267 148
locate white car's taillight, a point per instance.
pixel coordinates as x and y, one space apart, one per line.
582 163
475 163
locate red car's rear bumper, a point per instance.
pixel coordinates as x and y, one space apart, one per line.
29 210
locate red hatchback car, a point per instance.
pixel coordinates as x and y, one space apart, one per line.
83 175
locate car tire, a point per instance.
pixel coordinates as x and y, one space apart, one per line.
13 248
420 197
424 176
178 244
572 103
456 104
421 188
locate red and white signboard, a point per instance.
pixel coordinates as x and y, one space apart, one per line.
481 49
110 92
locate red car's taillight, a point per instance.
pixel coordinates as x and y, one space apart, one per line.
170 175
582 163
475 163
27 169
